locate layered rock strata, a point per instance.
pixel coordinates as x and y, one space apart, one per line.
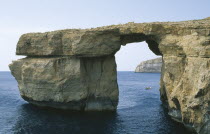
75 68
68 82
150 66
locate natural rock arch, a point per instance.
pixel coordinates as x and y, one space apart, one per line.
75 69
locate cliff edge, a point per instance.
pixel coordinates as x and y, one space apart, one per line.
150 66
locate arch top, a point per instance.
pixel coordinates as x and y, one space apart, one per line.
107 40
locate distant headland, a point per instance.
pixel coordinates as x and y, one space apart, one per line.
150 66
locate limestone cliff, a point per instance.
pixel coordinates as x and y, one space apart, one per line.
68 82
150 66
75 68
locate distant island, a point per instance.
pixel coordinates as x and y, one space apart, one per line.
150 66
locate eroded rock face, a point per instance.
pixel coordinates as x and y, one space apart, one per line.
68 82
75 69
85 43
150 66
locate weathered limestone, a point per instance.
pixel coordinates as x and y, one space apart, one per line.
75 69
86 43
150 66
68 82
185 89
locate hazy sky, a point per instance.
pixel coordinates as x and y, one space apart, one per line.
23 16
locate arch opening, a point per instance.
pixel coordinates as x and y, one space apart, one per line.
130 55
135 38
131 89
127 59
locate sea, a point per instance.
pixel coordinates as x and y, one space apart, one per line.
139 111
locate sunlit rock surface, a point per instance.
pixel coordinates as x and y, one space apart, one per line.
68 82
150 66
75 68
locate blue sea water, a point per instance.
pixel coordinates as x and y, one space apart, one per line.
139 111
